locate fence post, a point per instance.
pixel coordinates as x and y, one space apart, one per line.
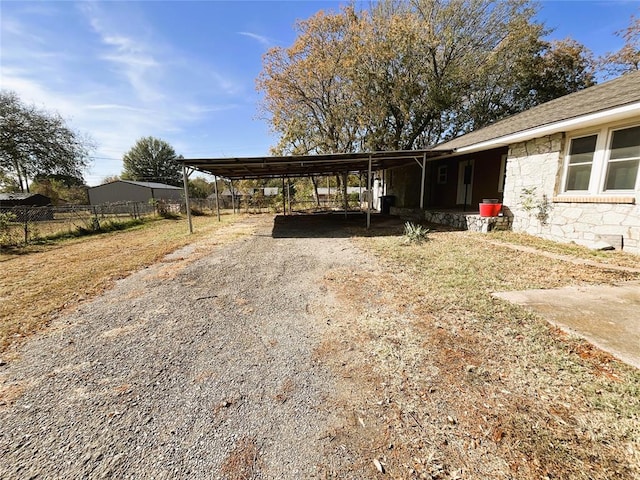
25 216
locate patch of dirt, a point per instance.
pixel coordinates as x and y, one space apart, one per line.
242 462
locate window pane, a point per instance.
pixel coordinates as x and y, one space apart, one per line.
578 177
582 149
626 143
622 175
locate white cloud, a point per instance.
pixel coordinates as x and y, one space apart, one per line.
260 38
131 56
109 74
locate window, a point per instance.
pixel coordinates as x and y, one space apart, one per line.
622 168
442 175
604 162
580 161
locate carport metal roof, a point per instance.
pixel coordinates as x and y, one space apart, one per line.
235 168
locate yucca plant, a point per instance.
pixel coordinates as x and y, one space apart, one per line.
415 233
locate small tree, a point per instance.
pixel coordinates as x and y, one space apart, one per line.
152 160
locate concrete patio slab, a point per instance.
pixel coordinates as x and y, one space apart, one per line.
608 316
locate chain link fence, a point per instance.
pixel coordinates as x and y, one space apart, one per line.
23 224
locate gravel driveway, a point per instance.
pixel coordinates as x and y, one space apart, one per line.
201 366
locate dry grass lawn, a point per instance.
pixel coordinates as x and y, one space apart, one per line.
40 280
449 382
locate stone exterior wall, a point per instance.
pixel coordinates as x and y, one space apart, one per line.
535 166
464 221
469 221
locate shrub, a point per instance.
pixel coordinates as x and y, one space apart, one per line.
415 233
197 212
6 237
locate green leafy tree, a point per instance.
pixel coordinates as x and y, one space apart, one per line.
35 142
561 67
200 188
61 189
8 183
152 160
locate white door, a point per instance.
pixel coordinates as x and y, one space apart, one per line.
465 182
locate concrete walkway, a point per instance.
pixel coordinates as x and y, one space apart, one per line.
607 316
564 258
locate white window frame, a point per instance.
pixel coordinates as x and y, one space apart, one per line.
600 163
608 160
503 173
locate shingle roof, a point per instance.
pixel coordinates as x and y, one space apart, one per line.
605 96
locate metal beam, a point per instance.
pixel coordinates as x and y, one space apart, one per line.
346 202
370 199
424 171
233 197
215 187
284 201
185 182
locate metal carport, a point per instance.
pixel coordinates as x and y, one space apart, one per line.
237 168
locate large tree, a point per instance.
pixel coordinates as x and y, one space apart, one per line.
37 143
562 67
152 160
407 74
305 87
627 59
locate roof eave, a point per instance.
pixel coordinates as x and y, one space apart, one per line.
584 121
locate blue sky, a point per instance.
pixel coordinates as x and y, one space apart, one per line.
185 71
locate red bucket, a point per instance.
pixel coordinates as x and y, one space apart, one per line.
490 209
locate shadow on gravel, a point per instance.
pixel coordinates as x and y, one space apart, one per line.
335 225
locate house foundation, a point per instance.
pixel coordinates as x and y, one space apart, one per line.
471 221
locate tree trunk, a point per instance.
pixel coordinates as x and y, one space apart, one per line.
315 190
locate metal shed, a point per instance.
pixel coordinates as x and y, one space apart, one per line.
131 191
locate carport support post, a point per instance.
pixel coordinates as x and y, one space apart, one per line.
215 187
424 171
344 185
233 197
370 199
284 199
185 182
423 165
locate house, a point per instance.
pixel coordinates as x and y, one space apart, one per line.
121 191
26 206
23 200
565 170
